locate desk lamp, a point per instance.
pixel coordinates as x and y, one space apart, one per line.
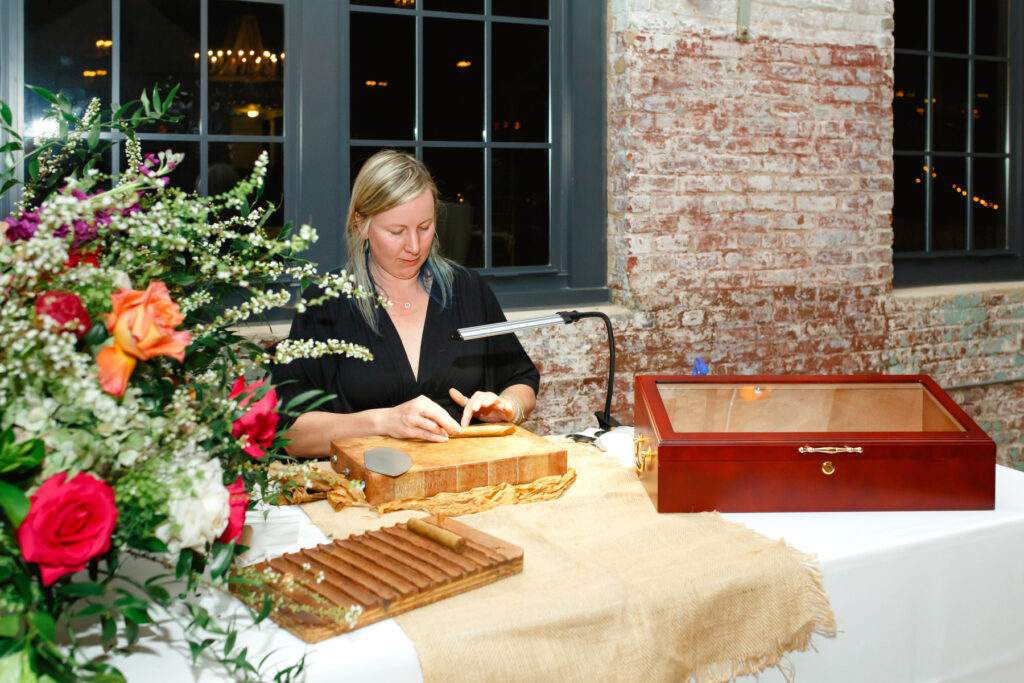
604 419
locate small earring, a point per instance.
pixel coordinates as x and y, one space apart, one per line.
366 246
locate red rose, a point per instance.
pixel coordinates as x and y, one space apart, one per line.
64 307
259 424
239 501
67 524
78 257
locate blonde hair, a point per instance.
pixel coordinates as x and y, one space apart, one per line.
387 179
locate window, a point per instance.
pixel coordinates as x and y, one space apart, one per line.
226 56
484 93
503 99
955 139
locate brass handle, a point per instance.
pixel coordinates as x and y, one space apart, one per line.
831 450
827 467
641 456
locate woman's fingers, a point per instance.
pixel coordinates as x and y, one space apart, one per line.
421 418
486 405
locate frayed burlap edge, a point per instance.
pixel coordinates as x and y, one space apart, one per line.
303 484
822 622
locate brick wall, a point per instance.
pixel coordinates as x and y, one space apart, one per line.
750 193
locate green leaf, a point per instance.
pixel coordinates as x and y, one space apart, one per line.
10 146
5 113
17 666
222 556
157 103
8 185
145 103
229 643
134 614
170 97
158 593
33 169
131 631
268 605
108 631
91 610
44 625
9 626
82 589
14 503
94 136
44 93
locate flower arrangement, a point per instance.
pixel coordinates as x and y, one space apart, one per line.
134 422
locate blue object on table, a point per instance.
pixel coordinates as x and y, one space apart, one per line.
700 367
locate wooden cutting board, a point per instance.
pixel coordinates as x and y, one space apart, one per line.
385 572
456 465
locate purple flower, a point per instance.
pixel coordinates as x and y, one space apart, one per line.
23 228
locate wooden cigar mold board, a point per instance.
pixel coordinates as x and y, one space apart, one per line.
455 465
386 572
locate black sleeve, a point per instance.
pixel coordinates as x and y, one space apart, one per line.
304 374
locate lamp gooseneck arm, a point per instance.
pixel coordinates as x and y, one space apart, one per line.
605 420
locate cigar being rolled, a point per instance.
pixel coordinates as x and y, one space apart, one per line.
446 538
484 430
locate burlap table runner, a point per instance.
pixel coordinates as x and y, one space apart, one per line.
612 590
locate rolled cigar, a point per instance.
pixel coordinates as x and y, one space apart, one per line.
446 538
484 430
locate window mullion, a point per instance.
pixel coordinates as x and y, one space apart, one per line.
488 176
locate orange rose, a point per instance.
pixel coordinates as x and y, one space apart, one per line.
143 327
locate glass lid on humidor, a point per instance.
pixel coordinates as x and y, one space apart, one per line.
804 407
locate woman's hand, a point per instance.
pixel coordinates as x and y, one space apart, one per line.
486 405
419 418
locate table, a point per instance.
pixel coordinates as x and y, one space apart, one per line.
918 596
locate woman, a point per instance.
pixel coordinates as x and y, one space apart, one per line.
421 383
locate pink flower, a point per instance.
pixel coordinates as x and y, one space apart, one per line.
259 423
239 501
68 524
63 308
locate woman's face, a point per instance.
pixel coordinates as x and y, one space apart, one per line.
400 238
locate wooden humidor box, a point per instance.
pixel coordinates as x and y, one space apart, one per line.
802 443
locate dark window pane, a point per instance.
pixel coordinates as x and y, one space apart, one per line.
519 89
519 211
146 23
232 161
910 24
988 204
67 49
990 107
464 6
952 24
991 17
246 65
909 102
453 79
528 9
383 77
909 182
949 204
949 125
186 175
393 4
459 174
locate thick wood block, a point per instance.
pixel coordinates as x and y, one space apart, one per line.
386 572
457 465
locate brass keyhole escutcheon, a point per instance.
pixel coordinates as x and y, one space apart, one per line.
827 467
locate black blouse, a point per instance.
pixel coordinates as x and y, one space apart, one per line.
489 364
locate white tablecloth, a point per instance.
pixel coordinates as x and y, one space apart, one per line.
918 596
